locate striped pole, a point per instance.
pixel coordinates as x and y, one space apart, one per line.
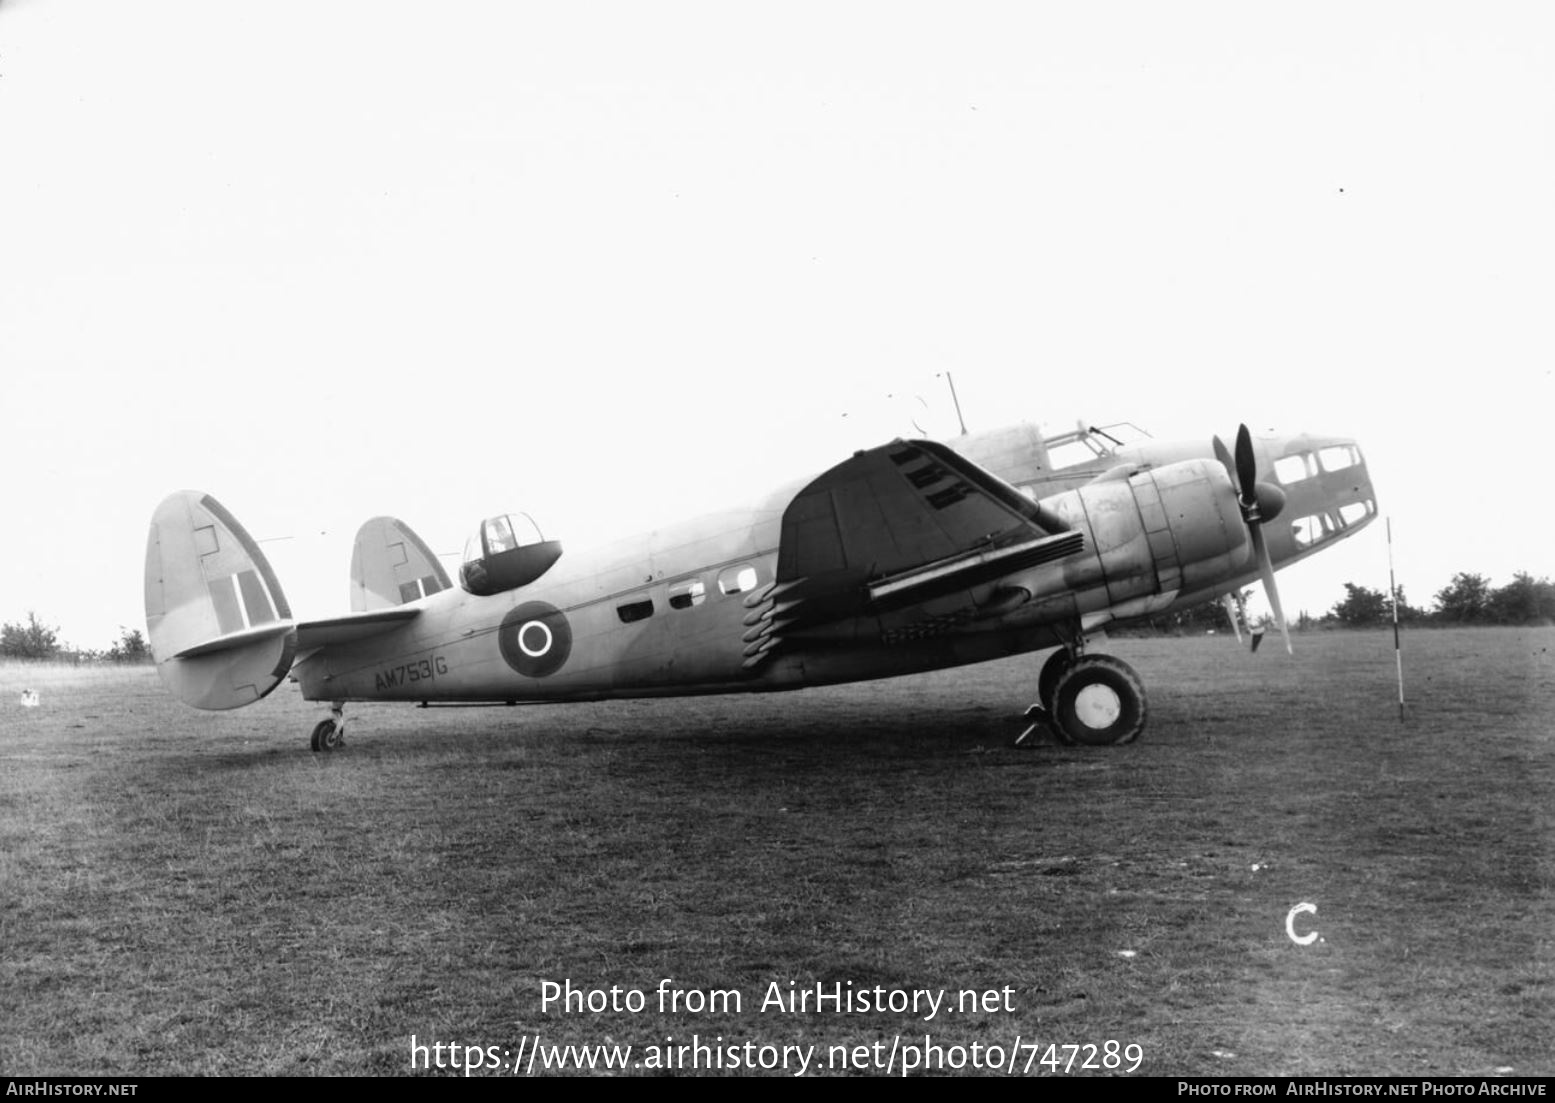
1398 654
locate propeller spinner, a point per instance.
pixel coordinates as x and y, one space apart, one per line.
1259 502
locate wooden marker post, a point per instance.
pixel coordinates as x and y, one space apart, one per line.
1398 654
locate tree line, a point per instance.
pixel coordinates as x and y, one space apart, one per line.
36 640
1467 599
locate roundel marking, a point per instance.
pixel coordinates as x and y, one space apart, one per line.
535 633
535 639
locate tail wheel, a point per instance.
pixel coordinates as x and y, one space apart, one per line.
327 736
1099 701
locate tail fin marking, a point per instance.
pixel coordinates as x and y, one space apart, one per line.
217 619
392 566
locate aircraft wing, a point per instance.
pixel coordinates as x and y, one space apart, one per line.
899 506
895 527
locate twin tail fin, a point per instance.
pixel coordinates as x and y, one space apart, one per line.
220 627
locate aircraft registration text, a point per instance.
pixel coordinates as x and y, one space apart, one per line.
423 670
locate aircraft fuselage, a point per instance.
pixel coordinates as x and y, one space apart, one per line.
680 610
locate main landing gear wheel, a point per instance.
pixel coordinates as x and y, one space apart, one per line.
1099 701
1052 670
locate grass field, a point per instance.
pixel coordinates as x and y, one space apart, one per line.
184 892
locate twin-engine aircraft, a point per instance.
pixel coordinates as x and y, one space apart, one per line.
908 557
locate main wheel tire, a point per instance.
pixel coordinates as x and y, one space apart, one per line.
1052 670
327 736
1099 701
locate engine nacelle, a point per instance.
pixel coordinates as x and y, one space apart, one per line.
1151 535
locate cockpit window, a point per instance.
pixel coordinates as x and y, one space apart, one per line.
499 535
1088 444
1071 452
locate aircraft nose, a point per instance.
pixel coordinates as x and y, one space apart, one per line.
1327 486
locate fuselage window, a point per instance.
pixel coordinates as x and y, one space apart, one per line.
1292 469
1355 511
1313 530
683 595
634 611
737 579
1339 457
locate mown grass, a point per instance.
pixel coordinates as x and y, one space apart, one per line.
196 893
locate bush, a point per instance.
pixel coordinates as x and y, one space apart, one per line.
34 640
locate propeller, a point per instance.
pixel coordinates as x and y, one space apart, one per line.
1259 502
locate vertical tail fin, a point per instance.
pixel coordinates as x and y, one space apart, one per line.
391 565
219 625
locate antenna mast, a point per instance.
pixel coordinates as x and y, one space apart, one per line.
957 402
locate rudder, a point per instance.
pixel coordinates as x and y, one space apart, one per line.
219 625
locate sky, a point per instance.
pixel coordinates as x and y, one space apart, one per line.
613 264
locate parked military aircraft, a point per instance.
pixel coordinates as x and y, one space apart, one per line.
911 556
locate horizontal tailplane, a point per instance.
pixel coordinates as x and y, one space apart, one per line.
219 626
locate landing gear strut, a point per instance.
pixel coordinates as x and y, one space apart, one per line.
1057 664
329 735
1041 713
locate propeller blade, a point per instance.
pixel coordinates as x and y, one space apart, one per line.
1260 502
1233 613
1271 591
1223 454
1246 465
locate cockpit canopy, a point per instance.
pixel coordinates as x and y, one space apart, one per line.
506 552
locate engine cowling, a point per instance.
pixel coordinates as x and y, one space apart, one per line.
1151 535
